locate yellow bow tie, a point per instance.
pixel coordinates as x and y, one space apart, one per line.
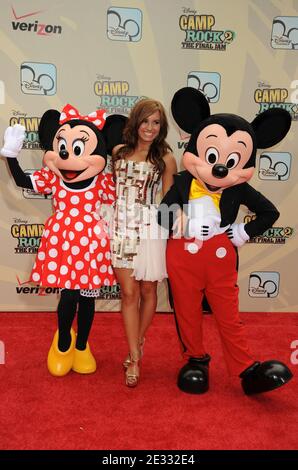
197 190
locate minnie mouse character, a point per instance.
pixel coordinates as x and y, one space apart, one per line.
74 252
219 160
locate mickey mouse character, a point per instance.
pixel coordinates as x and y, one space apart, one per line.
74 252
219 160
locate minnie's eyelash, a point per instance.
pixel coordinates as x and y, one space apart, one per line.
84 138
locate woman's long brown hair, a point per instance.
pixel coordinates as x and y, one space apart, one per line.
159 147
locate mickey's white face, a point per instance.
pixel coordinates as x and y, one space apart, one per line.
221 158
72 157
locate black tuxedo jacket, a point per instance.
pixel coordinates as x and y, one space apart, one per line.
230 201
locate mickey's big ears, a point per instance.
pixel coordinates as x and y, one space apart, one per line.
113 130
189 107
271 127
48 127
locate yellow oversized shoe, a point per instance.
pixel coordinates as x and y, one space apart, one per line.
60 363
83 361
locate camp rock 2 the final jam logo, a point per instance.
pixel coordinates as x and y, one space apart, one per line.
27 236
199 32
272 236
113 95
31 124
267 97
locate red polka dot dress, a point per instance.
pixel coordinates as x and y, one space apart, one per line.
74 252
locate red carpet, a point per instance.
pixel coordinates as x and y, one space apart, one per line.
38 411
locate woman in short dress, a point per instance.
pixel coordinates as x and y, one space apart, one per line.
138 244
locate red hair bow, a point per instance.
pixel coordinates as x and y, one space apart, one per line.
69 112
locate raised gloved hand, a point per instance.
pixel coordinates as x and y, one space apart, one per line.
205 228
13 140
237 234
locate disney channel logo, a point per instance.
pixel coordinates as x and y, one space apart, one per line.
275 166
206 82
199 32
264 284
38 78
124 24
30 193
284 33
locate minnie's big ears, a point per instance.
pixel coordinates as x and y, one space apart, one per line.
271 127
113 130
48 127
189 107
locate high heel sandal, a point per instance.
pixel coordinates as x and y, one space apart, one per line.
127 360
132 378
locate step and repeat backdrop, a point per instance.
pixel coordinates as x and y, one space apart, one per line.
109 54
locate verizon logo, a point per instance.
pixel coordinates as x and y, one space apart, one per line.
38 28
37 290
42 29
22 288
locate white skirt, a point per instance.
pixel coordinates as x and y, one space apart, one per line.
150 262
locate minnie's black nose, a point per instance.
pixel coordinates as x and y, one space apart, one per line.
64 154
220 171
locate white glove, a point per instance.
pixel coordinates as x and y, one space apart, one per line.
205 228
237 234
13 141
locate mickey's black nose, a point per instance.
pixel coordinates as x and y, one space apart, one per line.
220 171
64 154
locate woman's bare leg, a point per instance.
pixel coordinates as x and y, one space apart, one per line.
148 306
130 300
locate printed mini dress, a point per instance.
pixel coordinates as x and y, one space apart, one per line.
138 242
74 251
